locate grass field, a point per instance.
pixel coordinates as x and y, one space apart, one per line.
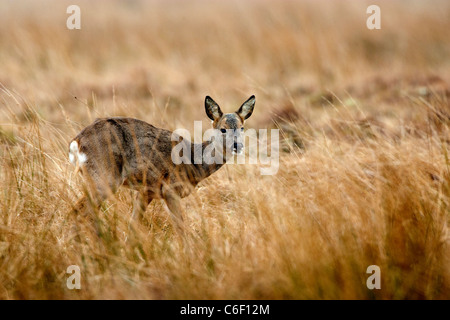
364 174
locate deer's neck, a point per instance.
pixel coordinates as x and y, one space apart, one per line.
206 167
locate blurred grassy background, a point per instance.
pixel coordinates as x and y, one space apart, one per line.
364 173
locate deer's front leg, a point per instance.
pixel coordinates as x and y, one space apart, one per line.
172 200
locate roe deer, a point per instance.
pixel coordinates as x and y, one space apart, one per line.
124 151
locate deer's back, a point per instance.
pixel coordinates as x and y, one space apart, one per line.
128 147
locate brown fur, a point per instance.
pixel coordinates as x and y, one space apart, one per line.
133 153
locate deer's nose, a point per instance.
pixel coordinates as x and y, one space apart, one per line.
237 147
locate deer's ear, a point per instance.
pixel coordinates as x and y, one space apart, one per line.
212 109
246 110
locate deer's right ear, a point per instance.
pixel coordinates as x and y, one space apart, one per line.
246 110
212 109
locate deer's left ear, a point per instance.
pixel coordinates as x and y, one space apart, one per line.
212 109
246 110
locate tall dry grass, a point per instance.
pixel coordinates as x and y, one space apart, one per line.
364 173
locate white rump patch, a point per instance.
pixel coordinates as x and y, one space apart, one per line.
75 154
73 151
71 158
81 158
73 147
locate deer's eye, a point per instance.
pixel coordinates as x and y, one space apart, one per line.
223 130
242 129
